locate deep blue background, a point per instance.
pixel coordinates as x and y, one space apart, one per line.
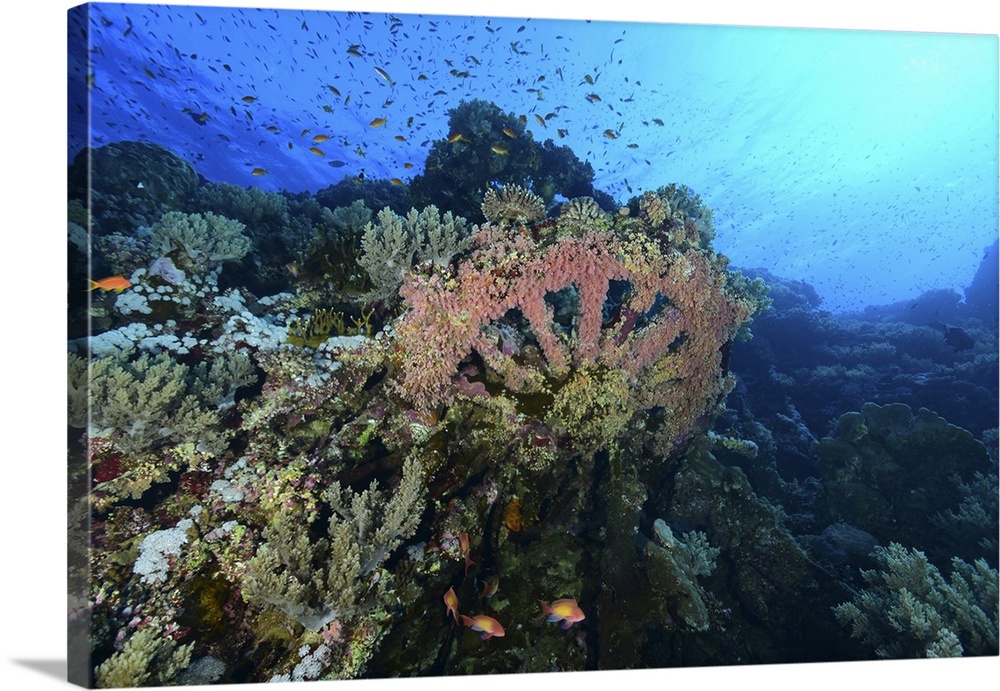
862 162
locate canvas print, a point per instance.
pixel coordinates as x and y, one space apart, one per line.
412 345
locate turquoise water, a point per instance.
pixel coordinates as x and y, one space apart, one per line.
864 163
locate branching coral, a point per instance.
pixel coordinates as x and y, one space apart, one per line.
77 390
314 331
204 238
674 565
332 255
910 610
395 244
148 658
249 205
153 414
317 581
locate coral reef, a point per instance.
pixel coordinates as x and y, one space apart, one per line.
495 148
908 609
391 247
664 349
419 412
373 193
878 466
130 184
206 239
317 581
512 204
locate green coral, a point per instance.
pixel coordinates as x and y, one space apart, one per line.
314 331
204 238
152 415
152 399
581 215
78 376
910 610
512 204
251 206
331 257
391 247
279 224
149 658
315 581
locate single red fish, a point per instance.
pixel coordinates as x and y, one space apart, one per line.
488 625
566 611
451 602
115 283
490 589
463 545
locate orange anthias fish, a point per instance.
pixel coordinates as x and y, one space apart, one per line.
451 602
490 589
115 283
566 611
463 546
488 625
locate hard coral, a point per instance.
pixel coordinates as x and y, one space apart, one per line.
663 341
579 214
206 239
391 247
512 204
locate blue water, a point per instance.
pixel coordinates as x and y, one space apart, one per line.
862 162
